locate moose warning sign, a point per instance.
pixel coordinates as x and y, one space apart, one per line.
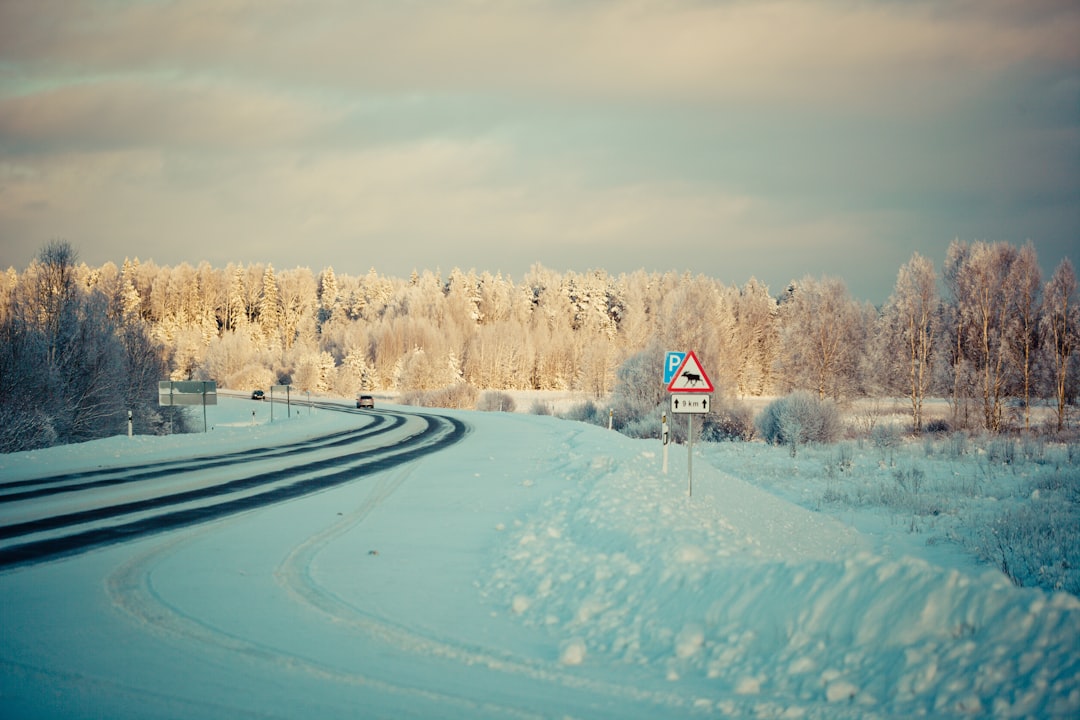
690 377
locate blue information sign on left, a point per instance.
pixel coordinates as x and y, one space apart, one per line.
672 361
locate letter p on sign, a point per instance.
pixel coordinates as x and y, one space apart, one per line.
671 364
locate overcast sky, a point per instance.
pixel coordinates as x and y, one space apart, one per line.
733 139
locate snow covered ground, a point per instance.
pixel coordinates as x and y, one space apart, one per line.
538 569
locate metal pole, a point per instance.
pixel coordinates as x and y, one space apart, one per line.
204 406
271 403
690 455
130 433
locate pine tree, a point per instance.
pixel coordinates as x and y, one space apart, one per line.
329 295
270 309
130 301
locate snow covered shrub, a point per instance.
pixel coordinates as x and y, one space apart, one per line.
886 439
586 412
936 427
648 426
1035 545
25 429
1001 450
798 419
839 461
495 401
958 445
729 420
637 394
539 407
460 396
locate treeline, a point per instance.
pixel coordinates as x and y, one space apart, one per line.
986 332
71 367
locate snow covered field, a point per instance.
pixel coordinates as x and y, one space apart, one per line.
539 568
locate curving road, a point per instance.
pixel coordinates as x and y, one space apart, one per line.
60 515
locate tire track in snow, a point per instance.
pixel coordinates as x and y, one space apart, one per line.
46 486
165 512
132 591
294 575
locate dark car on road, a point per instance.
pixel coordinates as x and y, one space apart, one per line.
258 395
365 401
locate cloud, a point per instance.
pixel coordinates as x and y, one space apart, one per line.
139 113
599 132
860 53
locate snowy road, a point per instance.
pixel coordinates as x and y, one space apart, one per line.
55 515
535 569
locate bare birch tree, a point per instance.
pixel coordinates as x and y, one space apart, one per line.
1023 285
822 337
909 324
1061 328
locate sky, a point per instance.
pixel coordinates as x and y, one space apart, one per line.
772 139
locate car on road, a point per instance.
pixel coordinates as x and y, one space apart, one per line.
365 401
258 395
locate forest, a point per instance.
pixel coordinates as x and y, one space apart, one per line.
81 346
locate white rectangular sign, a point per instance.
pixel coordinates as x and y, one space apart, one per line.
690 403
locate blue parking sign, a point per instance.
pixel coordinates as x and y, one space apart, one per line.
672 362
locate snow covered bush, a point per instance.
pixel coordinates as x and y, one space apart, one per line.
798 419
539 407
645 426
1035 545
459 396
1015 510
586 412
729 420
495 401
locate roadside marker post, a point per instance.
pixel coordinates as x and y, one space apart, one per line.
664 437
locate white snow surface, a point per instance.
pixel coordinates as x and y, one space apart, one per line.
538 569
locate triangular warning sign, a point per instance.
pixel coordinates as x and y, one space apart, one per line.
690 377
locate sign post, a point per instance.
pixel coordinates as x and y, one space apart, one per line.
688 385
288 404
188 392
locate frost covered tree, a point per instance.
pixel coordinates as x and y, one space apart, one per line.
130 301
236 299
54 293
1061 328
70 371
823 336
315 372
270 309
958 323
1025 282
756 336
985 325
329 295
907 331
299 303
